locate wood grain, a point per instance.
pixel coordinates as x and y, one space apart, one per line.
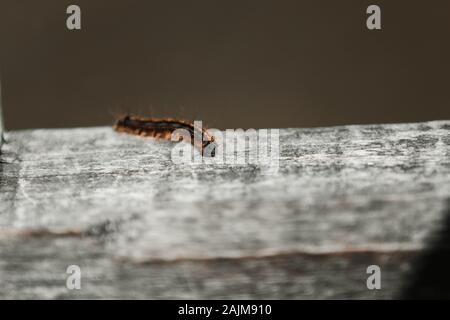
1 116
141 226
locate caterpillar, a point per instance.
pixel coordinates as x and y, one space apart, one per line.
163 129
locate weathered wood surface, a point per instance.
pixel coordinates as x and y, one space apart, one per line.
140 226
1 116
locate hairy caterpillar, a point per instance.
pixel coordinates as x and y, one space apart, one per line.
163 129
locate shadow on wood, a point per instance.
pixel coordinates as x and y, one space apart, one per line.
431 279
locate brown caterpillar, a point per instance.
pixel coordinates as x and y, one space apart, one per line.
163 129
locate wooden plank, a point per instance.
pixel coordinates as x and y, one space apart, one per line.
142 226
1 116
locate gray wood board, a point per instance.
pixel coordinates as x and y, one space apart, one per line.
1 116
141 226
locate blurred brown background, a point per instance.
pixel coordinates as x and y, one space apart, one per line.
229 63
